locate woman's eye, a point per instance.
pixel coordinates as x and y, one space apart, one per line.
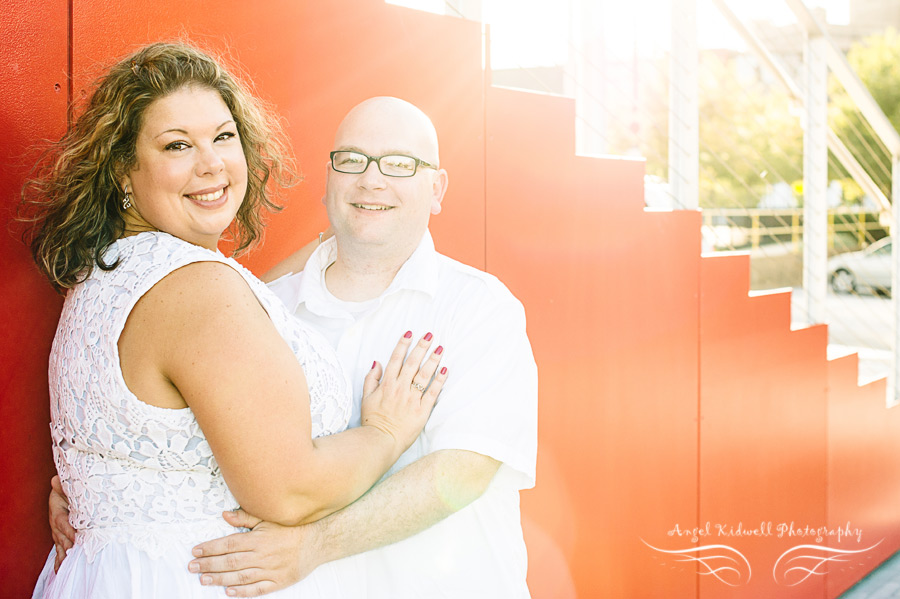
226 135
176 145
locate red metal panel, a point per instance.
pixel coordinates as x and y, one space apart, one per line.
313 61
863 472
33 51
610 293
762 440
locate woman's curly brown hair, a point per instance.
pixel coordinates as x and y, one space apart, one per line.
73 204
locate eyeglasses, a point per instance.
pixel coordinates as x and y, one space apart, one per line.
391 165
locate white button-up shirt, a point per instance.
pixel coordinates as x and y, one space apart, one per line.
488 405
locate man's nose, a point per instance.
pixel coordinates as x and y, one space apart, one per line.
372 178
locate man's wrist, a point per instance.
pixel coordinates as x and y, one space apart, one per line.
313 538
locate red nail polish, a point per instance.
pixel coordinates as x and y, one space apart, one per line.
439 350
407 335
444 370
428 336
373 365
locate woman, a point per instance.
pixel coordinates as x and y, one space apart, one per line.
180 387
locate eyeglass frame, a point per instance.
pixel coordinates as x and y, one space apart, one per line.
377 160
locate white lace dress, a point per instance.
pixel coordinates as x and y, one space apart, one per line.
142 482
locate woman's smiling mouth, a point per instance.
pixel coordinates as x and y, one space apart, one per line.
207 197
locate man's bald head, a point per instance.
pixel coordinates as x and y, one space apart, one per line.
392 125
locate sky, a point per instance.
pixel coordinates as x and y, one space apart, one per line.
714 32
530 33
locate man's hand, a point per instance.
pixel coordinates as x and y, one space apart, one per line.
265 559
62 531
271 557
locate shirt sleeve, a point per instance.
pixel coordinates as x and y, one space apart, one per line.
287 288
489 403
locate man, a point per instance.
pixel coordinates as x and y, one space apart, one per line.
444 521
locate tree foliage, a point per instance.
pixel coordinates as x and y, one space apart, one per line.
876 60
750 128
750 136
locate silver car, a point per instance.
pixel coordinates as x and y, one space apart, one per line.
867 270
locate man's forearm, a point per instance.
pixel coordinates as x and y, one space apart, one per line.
413 499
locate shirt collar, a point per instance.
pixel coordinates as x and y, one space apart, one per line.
418 273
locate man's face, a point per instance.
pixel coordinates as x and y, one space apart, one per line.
373 208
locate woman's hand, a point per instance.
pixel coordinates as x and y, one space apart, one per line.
400 402
62 532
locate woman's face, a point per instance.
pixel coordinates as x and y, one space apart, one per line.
191 175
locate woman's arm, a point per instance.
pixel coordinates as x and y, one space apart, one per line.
202 331
271 557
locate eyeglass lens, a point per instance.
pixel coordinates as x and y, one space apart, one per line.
391 165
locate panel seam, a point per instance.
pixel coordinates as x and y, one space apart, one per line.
70 83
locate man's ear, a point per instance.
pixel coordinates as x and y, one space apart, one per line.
438 189
327 177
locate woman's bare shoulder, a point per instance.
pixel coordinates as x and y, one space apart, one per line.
197 305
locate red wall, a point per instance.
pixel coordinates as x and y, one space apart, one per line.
615 334
33 58
670 398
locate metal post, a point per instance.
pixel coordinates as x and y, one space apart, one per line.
588 71
815 178
684 111
754 230
466 9
893 392
831 229
795 232
860 229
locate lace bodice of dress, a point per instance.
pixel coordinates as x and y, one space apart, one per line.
134 472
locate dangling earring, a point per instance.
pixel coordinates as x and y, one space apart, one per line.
126 201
